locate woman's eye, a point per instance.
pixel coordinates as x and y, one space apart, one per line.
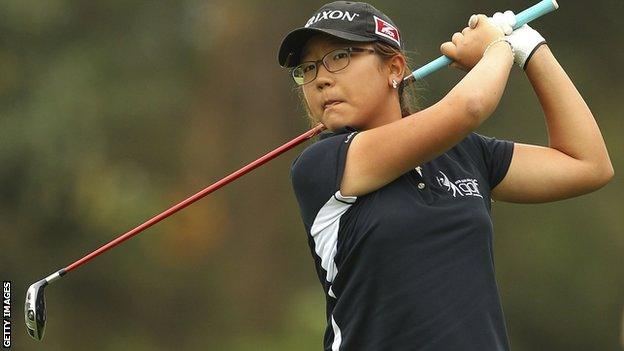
339 56
308 68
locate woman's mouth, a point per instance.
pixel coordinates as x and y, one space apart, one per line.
331 104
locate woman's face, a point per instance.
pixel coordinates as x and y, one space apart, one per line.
356 96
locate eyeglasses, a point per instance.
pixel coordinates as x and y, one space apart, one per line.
333 61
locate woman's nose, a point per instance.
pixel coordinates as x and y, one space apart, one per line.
323 77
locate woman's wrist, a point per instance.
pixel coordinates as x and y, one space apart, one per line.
541 53
499 43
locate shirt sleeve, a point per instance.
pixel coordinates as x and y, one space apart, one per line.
317 172
495 156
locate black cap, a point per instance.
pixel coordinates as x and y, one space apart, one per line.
353 21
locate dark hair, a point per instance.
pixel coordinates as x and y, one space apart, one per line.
408 91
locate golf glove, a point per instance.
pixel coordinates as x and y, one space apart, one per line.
505 21
524 40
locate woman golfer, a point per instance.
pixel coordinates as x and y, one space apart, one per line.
396 203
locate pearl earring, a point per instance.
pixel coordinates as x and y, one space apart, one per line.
394 84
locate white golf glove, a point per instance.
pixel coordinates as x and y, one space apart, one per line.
505 21
524 40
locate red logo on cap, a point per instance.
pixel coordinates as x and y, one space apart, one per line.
387 30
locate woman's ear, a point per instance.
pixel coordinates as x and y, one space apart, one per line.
396 68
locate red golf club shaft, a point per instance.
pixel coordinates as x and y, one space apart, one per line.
250 167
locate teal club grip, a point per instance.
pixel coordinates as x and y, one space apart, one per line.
524 17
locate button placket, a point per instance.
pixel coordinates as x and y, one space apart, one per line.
421 184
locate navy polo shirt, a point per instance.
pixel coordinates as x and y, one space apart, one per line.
409 266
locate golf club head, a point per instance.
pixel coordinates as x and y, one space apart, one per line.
35 309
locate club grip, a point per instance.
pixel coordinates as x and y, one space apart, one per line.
536 11
524 17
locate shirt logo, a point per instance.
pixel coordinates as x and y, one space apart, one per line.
387 30
332 14
462 187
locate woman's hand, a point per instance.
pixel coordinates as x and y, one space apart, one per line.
467 48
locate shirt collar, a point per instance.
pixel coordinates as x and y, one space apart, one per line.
343 130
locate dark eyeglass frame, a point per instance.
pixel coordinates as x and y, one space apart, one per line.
348 51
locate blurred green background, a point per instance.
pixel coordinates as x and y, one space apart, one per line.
111 111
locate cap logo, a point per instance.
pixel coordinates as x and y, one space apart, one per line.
387 30
332 14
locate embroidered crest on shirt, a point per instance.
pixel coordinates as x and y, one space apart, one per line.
462 187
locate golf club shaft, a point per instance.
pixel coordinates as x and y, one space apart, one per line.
248 168
524 17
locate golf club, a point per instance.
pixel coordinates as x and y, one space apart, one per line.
35 307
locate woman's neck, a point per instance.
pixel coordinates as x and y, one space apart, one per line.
389 113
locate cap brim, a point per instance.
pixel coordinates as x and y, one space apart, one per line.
290 49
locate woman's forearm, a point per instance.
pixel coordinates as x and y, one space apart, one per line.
483 87
571 126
